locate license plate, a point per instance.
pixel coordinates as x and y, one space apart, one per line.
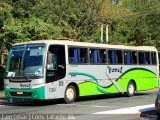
19 93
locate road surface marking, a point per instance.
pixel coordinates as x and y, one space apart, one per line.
93 106
129 110
84 105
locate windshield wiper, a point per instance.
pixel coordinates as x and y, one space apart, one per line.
21 65
26 76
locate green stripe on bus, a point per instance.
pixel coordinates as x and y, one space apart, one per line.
143 78
93 77
37 93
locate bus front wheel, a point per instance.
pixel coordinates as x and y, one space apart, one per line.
130 89
70 94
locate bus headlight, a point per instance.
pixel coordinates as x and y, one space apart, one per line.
37 85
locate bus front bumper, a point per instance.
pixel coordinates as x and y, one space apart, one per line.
36 93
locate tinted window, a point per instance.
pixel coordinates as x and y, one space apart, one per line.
153 58
102 56
78 55
134 57
97 56
130 57
26 58
56 64
83 55
115 57
144 57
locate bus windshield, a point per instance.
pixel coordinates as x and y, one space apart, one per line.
26 61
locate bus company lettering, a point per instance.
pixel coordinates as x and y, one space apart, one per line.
111 70
25 85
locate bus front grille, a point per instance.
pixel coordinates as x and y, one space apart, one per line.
22 93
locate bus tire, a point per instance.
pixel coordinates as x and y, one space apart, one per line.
70 94
130 89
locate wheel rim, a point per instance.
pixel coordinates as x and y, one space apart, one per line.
131 89
70 93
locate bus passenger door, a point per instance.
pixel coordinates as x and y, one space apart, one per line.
56 64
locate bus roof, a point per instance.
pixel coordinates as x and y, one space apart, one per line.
85 44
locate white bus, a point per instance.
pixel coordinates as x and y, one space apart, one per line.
51 69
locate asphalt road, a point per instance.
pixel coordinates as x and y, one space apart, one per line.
103 107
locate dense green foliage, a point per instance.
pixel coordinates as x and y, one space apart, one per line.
131 22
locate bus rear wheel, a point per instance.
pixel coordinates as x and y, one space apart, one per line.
70 94
130 89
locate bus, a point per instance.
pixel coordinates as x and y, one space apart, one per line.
52 69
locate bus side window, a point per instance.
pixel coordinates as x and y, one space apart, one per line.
147 59
134 57
127 57
97 56
51 61
153 58
141 57
94 56
111 56
144 58
130 57
102 56
74 55
115 56
83 55
78 55
91 56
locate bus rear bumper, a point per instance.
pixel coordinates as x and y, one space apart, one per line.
36 93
